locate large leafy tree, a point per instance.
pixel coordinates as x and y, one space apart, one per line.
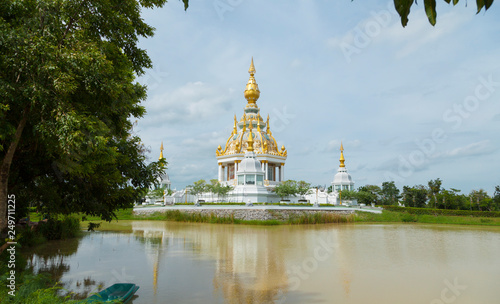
389 193
368 194
415 196
67 97
434 190
403 8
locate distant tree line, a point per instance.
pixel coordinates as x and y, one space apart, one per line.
432 196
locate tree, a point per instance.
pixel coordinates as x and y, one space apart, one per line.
368 194
415 196
217 188
403 8
198 187
303 188
481 199
496 198
68 91
349 194
434 189
286 189
389 193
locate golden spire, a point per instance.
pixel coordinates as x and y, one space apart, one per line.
161 151
268 126
250 138
235 130
342 160
252 92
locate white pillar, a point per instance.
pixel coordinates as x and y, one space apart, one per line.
283 172
267 170
220 172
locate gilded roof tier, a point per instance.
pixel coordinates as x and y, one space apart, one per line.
263 140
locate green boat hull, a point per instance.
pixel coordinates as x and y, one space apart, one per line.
118 292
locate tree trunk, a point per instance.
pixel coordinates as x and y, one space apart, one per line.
5 169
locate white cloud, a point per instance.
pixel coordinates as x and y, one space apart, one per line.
194 102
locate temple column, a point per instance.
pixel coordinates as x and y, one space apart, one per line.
267 169
220 172
279 174
282 172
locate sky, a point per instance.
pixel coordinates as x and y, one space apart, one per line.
409 104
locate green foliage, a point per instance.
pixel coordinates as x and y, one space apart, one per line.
389 193
198 187
349 195
320 218
415 196
217 188
448 212
368 194
403 8
291 188
408 218
303 188
33 289
55 229
68 100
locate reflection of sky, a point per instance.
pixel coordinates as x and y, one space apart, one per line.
200 263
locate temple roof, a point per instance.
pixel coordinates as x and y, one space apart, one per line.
251 121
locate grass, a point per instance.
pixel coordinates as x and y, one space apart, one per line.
179 216
402 217
306 218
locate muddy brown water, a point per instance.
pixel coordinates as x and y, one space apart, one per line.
208 263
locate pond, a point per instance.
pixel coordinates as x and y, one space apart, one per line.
208 263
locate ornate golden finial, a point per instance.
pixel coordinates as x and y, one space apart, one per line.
252 92
251 70
250 138
235 130
161 151
268 126
342 160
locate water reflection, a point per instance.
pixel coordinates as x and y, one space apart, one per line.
200 263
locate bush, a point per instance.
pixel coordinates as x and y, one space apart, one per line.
55 229
449 212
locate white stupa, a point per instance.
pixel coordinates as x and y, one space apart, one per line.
250 177
342 181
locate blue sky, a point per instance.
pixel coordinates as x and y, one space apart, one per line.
410 104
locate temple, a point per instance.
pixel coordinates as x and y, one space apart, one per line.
252 164
265 148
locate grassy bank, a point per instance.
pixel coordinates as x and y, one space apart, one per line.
403 217
179 216
318 218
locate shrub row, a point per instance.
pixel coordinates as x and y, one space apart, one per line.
431 211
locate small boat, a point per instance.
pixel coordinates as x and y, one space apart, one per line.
117 292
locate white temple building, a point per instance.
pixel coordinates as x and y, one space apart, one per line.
250 177
272 159
253 165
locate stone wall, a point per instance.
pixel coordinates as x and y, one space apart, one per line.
248 214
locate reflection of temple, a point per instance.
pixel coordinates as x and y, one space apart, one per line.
266 149
245 270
